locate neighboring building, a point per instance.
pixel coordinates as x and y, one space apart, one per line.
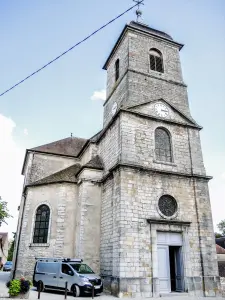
4 244
133 200
221 241
220 250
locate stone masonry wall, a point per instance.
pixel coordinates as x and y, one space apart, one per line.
44 165
61 199
138 145
109 147
140 192
87 218
139 47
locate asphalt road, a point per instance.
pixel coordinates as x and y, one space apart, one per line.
4 277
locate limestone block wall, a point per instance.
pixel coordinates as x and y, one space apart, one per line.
140 192
87 232
109 146
139 46
44 165
61 198
144 87
132 242
106 249
121 54
138 145
119 96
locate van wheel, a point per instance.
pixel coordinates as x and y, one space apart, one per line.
40 286
76 290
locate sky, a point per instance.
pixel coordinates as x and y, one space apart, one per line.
67 97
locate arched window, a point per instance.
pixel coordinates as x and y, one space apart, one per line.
163 150
156 60
41 224
117 69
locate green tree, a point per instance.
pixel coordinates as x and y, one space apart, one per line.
221 227
217 235
11 249
4 212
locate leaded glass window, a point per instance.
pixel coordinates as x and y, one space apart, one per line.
156 60
163 150
167 205
41 224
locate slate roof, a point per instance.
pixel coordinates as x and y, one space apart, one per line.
70 146
65 175
150 30
95 163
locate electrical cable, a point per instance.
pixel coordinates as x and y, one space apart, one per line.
71 48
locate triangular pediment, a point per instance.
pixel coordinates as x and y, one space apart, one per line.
162 109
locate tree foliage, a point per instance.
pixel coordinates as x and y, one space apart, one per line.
221 227
11 249
4 212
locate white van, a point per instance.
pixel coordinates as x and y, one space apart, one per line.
53 273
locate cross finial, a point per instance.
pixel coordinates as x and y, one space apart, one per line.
138 11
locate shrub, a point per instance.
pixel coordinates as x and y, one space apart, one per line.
17 286
14 287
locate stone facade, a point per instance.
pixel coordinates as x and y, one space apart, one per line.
104 196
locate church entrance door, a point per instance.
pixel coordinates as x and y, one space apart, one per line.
170 262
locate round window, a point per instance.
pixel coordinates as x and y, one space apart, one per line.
167 205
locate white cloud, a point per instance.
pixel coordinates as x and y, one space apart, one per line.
99 95
223 175
25 131
11 158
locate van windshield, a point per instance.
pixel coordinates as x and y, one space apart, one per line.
82 268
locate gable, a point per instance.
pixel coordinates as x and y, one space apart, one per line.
161 109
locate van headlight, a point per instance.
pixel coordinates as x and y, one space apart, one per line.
84 279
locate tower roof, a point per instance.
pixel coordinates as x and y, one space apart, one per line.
135 26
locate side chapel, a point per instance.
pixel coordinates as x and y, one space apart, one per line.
133 200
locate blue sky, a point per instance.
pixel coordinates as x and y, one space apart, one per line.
57 101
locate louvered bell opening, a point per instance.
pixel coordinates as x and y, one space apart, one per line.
159 65
152 62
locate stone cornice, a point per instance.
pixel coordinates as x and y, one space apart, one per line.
144 74
169 222
153 170
158 119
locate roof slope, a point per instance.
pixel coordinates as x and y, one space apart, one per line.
69 146
65 175
150 30
95 163
220 250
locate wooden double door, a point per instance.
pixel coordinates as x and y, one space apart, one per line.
170 262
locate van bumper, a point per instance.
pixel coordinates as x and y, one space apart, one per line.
87 289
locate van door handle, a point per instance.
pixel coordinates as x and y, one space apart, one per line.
54 276
61 277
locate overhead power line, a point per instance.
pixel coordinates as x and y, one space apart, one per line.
71 48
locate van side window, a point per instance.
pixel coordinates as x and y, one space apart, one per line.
47 267
67 270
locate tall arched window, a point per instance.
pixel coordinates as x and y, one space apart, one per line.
156 60
163 149
117 69
41 224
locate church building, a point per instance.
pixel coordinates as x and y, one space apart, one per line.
133 200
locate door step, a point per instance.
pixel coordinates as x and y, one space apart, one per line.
173 294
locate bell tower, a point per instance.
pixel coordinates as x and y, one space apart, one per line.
157 231
144 65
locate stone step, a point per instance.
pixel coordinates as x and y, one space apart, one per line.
173 294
